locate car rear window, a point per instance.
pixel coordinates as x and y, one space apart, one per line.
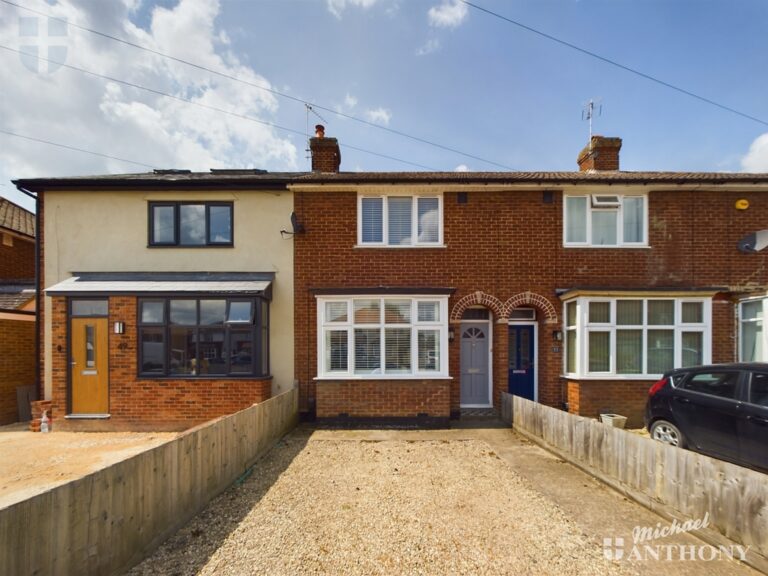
722 384
758 389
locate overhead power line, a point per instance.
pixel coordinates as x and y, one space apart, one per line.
262 87
613 63
201 105
75 148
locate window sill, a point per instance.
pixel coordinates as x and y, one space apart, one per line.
195 247
87 417
408 247
618 247
597 377
204 377
383 377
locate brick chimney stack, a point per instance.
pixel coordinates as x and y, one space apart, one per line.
600 154
326 156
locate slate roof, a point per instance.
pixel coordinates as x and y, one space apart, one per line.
14 294
16 219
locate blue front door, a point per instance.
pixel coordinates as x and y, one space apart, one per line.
521 361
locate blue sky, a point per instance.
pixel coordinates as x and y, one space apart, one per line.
435 69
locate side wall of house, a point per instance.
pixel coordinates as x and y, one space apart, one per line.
17 363
17 258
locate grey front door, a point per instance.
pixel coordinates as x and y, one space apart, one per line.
474 365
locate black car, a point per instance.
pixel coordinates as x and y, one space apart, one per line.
719 410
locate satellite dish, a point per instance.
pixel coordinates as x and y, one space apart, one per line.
297 227
754 242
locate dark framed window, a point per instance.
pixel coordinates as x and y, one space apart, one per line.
190 224
204 336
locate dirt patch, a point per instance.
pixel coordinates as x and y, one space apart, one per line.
33 462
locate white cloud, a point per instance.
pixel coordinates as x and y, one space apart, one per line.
379 116
337 7
86 112
449 14
432 45
461 168
756 159
350 101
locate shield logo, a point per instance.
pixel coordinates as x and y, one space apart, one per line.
613 548
41 46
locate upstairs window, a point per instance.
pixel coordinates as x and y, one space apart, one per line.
605 220
394 220
190 224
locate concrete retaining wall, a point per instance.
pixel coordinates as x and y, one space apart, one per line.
107 521
676 483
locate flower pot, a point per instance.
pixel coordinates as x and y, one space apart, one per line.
614 420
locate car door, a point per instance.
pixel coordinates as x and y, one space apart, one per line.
753 421
706 406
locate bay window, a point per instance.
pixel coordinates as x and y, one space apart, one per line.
400 220
382 337
635 337
605 220
751 335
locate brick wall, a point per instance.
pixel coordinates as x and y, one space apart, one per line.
17 262
626 397
150 403
508 244
384 398
17 364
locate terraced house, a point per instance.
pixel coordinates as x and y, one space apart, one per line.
173 297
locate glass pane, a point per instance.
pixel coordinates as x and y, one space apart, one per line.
240 311
634 214
212 354
212 311
599 351
220 225
367 311
600 312
575 219
429 219
184 312
152 350
661 312
522 314
752 341
163 228
336 312
397 311
476 314
752 310
629 312
629 351
429 311
570 314
397 342
758 389
429 350
722 384
90 346
693 312
336 351
604 227
89 307
570 342
240 352
661 351
693 349
183 351
372 216
367 351
192 224
400 219
152 312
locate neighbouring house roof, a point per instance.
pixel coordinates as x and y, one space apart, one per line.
164 283
14 295
262 179
16 219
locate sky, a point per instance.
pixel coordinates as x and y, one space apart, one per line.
403 84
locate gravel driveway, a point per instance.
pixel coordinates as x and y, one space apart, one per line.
325 506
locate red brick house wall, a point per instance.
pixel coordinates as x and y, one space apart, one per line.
17 363
390 398
17 262
146 403
508 244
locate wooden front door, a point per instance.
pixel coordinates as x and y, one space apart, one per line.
89 365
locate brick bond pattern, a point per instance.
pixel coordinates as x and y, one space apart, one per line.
17 262
393 398
17 364
505 250
147 403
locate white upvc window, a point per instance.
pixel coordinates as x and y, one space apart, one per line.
400 220
605 220
382 337
635 337
752 336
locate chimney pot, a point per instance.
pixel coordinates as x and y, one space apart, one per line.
320 131
326 156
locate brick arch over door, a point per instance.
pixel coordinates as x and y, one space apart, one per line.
531 299
490 302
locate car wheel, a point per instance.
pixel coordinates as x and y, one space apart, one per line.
667 433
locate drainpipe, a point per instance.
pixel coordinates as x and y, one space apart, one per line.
38 302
